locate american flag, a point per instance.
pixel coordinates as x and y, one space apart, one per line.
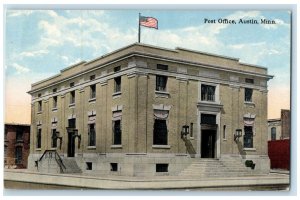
149 22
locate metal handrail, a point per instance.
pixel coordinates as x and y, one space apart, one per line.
56 156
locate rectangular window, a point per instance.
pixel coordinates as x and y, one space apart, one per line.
92 91
249 80
54 90
72 97
207 92
248 94
72 84
116 69
19 155
117 132
208 119
117 84
248 137
224 132
160 132
162 67
89 166
39 106
39 95
55 102
92 77
273 133
54 139
114 167
161 83
162 167
92 135
192 130
19 135
39 138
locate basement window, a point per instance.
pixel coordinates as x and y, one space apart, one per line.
162 167
114 167
89 165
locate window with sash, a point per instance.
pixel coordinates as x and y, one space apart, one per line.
117 84
92 91
72 97
160 132
54 139
207 92
248 94
273 133
39 106
39 138
248 137
161 83
117 132
92 135
55 102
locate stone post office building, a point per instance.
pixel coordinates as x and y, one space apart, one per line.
144 110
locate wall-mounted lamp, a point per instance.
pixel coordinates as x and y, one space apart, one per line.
185 130
75 134
237 134
56 137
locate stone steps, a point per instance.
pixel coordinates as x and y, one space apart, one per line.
71 166
216 168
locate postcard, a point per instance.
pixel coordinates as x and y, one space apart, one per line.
147 99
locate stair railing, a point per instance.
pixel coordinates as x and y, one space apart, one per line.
57 158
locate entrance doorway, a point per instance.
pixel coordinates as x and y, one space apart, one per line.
71 138
208 140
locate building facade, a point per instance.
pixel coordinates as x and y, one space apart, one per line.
16 145
279 129
144 110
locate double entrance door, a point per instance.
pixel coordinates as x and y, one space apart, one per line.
208 143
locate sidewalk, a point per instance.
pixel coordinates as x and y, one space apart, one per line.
157 182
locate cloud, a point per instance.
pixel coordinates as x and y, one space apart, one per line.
20 69
17 13
33 53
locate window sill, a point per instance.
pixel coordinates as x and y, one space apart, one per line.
72 105
39 112
161 146
116 146
54 109
116 95
249 149
53 148
91 147
210 102
38 149
250 103
191 138
92 100
162 94
162 174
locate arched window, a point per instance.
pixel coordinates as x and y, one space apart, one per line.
273 133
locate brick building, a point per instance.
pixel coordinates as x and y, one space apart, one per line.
16 145
144 110
279 129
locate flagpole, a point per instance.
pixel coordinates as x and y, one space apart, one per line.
139 35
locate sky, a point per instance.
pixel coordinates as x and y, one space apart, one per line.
39 43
